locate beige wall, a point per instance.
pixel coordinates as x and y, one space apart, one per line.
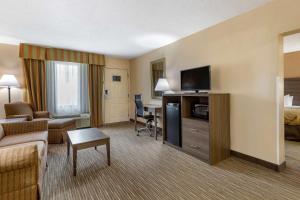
247 61
114 62
292 64
10 63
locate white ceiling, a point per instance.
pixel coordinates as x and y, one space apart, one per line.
125 28
291 43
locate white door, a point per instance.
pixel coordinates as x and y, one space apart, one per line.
116 95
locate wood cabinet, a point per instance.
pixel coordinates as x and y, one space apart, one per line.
205 138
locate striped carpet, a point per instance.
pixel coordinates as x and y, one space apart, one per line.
142 168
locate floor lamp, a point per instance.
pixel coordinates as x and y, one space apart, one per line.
9 81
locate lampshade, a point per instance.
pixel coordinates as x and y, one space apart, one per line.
9 81
162 85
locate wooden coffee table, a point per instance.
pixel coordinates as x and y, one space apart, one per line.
86 138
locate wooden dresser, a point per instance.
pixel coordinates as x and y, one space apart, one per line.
207 139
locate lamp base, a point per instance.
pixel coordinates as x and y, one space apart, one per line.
9 98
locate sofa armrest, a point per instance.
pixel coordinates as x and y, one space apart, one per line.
19 171
25 127
28 117
41 114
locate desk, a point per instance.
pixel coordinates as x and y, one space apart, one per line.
155 109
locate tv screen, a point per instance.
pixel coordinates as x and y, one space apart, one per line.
196 79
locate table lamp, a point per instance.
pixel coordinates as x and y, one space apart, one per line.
9 81
162 85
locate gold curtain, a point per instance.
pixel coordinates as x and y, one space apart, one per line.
35 80
95 94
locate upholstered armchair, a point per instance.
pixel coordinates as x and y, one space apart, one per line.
23 110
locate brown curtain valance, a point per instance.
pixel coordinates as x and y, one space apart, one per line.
41 53
96 59
28 51
67 55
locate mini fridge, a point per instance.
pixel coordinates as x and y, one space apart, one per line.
173 124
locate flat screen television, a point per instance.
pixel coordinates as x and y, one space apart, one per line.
196 79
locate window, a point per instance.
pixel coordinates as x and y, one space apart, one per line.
67 88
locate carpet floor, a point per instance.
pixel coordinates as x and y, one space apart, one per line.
142 168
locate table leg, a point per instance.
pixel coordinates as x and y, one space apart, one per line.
135 118
74 160
108 152
68 147
155 124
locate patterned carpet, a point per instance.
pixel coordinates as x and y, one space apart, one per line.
142 168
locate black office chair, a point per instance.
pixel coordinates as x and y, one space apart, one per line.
140 112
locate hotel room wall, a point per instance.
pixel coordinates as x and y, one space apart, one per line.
10 63
244 53
292 65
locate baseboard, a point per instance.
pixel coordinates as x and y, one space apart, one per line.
115 123
258 161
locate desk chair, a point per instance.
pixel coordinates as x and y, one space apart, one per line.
140 112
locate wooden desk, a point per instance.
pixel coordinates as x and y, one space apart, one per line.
155 109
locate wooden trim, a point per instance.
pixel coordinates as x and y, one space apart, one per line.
278 168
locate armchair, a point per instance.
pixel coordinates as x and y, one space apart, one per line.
57 127
23 110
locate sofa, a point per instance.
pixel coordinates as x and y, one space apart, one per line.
57 127
23 159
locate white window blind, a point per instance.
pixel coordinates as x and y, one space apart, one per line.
67 88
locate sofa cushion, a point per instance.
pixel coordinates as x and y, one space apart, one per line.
60 123
23 138
40 145
1 132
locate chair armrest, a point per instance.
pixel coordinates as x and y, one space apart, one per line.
28 117
41 114
18 171
25 127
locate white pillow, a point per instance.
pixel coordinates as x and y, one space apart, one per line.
288 100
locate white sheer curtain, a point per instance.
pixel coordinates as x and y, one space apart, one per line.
67 88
